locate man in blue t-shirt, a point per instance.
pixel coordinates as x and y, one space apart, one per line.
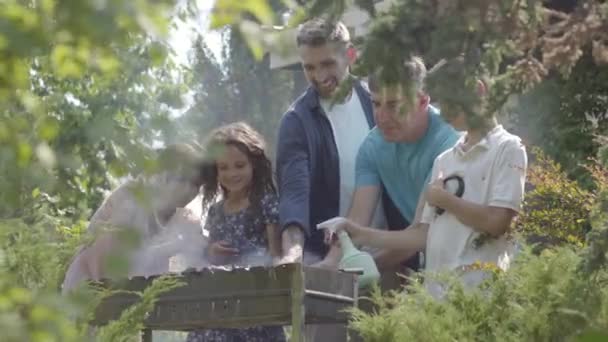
398 153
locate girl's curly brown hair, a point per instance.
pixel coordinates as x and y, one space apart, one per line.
249 142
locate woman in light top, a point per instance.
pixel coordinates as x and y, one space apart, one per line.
148 206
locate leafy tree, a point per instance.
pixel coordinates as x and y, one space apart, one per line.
236 86
83 85
563 115
85 79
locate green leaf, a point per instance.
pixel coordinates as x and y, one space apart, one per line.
260 9
4 132
24 153
64 63
228 12
107 62
253 36
45 155
3 42
48 129
19 295
594 336
118 168
368 6
158 53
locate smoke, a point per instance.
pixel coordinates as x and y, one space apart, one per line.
181 246
178 246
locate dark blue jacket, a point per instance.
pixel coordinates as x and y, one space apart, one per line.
308 169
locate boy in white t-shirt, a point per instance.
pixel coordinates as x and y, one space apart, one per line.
458 233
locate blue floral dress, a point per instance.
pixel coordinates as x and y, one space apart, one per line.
244 230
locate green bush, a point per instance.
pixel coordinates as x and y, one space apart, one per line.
34 254
563 114
556 208
542 297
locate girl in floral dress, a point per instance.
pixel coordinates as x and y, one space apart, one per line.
242 225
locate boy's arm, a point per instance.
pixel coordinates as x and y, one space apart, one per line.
399 245
506 195
410 240
483 218
294 187
390 258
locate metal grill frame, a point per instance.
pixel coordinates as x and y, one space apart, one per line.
290 294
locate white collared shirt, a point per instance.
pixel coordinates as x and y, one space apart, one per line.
494 172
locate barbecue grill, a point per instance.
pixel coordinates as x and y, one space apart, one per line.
290 294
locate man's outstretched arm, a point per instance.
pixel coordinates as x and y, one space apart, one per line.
410 240
293 175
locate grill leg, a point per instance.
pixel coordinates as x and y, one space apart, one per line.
146 335
297 305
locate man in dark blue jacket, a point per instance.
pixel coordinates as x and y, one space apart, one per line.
318 141
317 148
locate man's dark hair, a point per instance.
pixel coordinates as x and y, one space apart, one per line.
319 31
410 73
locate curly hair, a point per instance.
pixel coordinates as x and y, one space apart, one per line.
252 144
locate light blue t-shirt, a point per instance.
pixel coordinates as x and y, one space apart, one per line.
403 168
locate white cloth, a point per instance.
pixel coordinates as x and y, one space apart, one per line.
350 127
494 172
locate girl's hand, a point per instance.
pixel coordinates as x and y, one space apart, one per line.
222 249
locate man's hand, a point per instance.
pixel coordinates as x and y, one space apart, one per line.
292 240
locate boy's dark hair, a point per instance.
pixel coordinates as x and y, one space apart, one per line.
411 73
453 83
249 142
